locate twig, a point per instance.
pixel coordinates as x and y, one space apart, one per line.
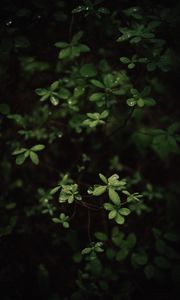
89 226
74 212
70 27
124 123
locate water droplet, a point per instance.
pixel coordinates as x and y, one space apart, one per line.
70 102
37 17
9 22
60 134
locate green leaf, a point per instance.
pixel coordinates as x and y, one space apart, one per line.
26 154
62 216
65 53
11 205
97 83
131 240
71 199
61 45
104 114
56 220
103 10
131 102
86 251
65 224
125 60
99 249
83 48
109 80
135 92
122 254
94 116
77 37
113 180
4 109
119 219
38 147
75 52
54 100
123 37
135 40
149 102
117 237
161 246
113 195
149 271
64 93
171 236
20 159
108 206
146 91
124 211
54 190
110 253
88 70
140 102
172 129
19 151
54 85
96 96
46 96
173 144
101 236
78 91
140 258
162 262
41 92
131 66
112 214
79 9
21 42
34 157
156 232
103 178
151 67
99 190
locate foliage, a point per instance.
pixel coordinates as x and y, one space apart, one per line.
89 150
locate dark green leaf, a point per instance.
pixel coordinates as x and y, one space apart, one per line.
34 157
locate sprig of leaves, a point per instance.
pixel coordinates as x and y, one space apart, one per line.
23 153
95 119
63 219
92 250
73 49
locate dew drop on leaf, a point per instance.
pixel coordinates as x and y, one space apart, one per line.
9 22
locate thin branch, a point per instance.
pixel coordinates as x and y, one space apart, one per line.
71 27
89 226
74 212
124 123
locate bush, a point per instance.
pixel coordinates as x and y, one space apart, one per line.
89 150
